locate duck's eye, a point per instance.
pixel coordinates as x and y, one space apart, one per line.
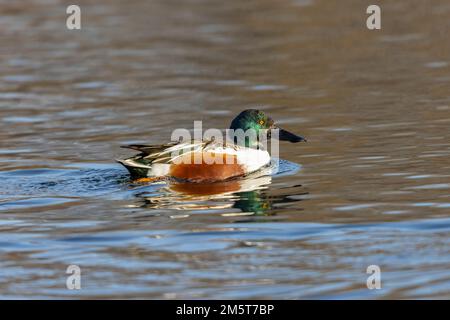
261 122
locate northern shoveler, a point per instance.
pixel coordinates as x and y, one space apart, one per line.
191 161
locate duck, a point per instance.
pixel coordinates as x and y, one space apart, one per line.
209 160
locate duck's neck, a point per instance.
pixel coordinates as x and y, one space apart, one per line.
249 143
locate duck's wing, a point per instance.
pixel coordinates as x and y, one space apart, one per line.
159 152
153 158
169 154
147 149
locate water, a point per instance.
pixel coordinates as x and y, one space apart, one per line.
371 186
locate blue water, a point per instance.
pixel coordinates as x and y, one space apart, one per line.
370 187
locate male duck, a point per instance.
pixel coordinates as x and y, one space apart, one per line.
190 161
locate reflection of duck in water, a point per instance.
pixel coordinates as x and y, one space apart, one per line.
191 161
205 196
250 195
252 201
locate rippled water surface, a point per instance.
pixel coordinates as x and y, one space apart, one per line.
371 186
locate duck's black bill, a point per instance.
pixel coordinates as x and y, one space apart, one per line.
289 136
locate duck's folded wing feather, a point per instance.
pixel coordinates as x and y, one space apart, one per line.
165 153
147 149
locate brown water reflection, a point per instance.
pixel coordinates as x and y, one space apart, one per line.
373 187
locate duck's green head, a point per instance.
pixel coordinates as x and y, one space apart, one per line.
258 121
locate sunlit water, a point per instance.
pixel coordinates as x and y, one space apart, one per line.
371 186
